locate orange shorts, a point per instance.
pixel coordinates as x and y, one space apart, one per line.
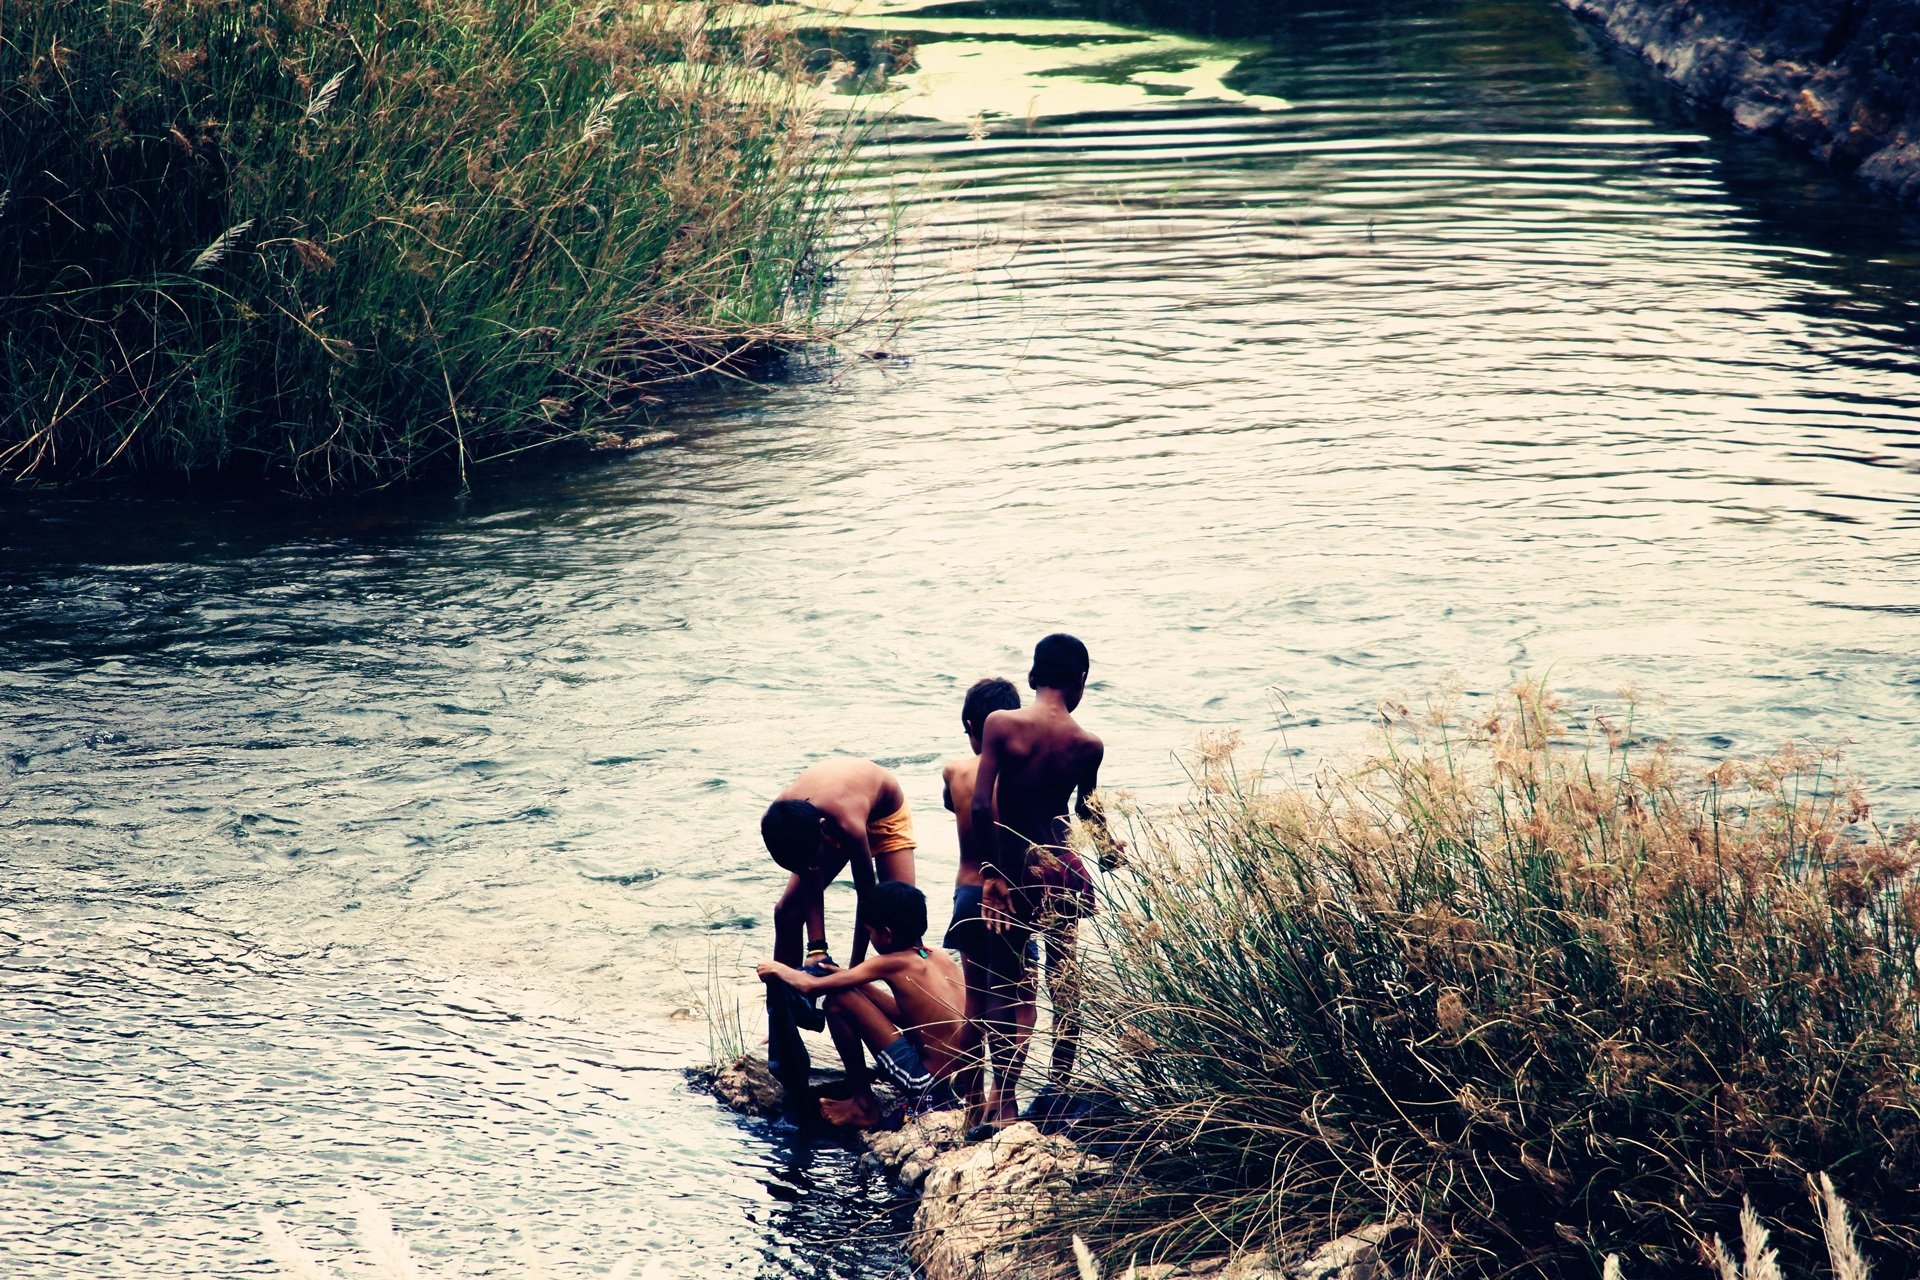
891 834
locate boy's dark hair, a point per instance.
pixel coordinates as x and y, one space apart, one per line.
1058 661
897 907
986 697
791 829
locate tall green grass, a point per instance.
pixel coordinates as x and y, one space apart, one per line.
1553 1000
337 243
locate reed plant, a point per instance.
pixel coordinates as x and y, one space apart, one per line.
1756 1259
339 243
1552 996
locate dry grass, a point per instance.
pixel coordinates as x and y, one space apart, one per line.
1555 998
1758 1261
337 243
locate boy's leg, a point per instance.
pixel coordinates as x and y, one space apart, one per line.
859 1019
970 1081
1009 1009
1063 989
796 908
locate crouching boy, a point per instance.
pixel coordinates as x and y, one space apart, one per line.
905 1002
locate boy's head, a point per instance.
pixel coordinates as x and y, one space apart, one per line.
983 699
896 915
1060 662
792 830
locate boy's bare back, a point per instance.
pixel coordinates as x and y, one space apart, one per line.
1042 758
957 778
852 792
932 994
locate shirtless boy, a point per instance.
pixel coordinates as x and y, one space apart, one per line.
992 962
916 1026
1037 765
835 814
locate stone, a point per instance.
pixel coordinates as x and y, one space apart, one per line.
1356 1255
910 1151
1838 78
747 1085
974 1200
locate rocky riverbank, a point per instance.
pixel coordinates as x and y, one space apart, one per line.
1840 78
974 1198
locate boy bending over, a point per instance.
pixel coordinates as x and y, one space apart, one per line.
905 1002
838 813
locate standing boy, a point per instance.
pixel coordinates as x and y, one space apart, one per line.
835 814
992 961
1037 765
917 1027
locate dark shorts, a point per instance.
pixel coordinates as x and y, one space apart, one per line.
1004 956
1053 883
900 1063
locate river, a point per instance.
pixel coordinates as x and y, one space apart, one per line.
1360 353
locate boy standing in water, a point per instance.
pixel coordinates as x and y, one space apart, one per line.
1037 765
835 814
917 1027
993 963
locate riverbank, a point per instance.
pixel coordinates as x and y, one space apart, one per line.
1838 78
336 249
977 1202
1560 993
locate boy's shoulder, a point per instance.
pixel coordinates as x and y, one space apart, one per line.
940 962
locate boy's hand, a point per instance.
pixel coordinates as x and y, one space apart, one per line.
774 971
996 905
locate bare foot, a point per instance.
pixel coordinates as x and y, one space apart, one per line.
862 1111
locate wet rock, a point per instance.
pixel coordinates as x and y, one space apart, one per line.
974 1201
748 1086
909 1152
1839 78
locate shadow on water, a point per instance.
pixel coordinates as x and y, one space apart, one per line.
834 1216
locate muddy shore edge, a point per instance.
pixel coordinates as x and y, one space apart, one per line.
975 1197
1838 78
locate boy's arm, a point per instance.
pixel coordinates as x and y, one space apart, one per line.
1111 848
860 863
996 886
1089 783
946 787
816 908
877 969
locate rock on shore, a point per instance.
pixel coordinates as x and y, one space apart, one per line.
1841 78
975 1197
748 1086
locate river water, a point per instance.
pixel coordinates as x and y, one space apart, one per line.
1357 353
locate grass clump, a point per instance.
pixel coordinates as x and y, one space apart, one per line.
1552 1000
338 243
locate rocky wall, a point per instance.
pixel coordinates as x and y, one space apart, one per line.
1840 78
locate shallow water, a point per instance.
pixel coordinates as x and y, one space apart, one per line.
1374 350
